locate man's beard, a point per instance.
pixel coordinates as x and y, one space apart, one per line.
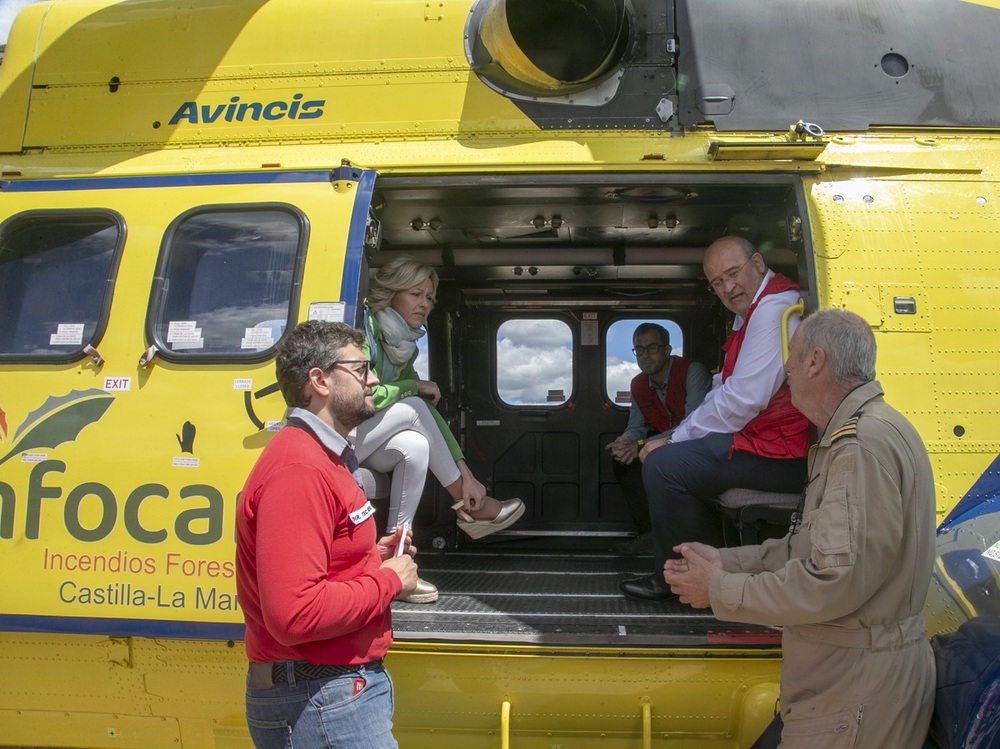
351 410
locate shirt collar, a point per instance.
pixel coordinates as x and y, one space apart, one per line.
666 380
326 434
738 322
854 400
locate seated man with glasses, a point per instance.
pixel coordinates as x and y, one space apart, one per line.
746 433
665 390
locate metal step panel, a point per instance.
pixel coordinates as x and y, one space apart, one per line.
565 599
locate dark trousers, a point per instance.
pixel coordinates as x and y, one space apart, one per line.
682 479
629 477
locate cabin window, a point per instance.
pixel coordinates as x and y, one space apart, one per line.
227 283
534 362
620 364
420 365
56 280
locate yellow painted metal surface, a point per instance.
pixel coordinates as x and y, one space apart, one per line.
933 241
168 580
91 691
141 693
448 695
498 40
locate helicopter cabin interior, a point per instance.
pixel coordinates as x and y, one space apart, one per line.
541 285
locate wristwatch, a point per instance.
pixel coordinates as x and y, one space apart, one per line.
640 443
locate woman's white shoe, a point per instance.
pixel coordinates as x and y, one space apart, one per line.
510 511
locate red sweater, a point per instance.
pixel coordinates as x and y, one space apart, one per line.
307 576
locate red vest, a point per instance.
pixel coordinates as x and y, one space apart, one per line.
780 430
648 402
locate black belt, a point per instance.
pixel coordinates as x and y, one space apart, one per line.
304 670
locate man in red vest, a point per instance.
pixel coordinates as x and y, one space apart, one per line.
666 389
746 433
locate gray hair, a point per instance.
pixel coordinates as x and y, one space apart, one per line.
744 244
848 342
399 274
315 343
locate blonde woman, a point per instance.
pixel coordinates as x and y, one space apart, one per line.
407 436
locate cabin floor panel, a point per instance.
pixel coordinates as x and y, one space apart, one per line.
554 599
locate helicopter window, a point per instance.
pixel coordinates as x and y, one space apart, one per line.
227 283
534 362
620 360
57 272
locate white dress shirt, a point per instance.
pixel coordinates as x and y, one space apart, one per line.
756 377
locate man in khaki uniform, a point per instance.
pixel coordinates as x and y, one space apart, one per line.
848 582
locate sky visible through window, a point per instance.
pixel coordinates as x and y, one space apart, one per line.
534 362
536 357
621 366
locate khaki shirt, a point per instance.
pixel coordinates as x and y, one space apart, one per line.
848 585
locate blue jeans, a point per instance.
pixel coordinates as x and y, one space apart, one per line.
681 478
344 712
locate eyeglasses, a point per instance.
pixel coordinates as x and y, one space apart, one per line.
729 275
360 370
650 349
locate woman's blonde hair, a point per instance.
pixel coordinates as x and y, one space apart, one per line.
399 274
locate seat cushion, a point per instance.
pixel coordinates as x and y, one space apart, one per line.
734 499
375 484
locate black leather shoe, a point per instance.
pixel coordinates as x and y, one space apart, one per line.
650 588
641 545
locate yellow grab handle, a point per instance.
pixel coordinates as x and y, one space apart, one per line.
799 307
505 725
647 723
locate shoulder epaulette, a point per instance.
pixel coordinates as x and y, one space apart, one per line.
848 429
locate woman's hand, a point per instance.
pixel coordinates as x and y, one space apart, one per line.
429 390
473 491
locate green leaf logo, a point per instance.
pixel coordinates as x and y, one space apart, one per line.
58 420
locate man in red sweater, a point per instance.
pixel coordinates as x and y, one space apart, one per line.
314 584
